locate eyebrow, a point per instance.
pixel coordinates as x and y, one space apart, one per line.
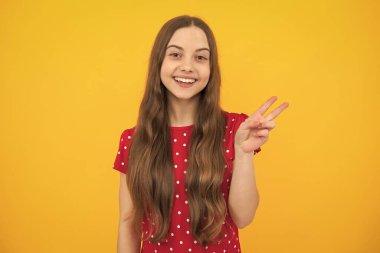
180 48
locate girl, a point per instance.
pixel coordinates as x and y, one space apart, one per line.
187 179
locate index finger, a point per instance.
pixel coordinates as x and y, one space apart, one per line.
263 108
273 114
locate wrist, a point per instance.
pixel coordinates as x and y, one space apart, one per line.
240 153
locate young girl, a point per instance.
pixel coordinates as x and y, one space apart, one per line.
187 179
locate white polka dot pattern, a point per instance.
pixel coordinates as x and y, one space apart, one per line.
180 238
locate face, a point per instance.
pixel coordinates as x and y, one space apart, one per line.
185 70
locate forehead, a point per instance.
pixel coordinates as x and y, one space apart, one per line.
189 38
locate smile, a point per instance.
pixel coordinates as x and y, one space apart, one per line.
183 82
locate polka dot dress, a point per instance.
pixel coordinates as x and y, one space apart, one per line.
180 238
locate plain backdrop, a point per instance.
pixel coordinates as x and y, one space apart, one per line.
72 74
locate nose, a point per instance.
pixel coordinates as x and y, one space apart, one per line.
186 65
186 68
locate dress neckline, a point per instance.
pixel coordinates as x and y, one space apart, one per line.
181 128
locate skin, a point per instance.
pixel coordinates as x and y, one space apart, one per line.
251 134
243 199
185 62
254 131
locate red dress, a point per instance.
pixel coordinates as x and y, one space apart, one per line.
180 238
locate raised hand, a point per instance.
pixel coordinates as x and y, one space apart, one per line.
254 131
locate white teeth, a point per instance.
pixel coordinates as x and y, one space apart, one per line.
184 80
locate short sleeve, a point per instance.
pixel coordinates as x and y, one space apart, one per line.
240 120
121 160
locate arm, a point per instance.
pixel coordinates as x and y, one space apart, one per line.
252 133
128 241
243 197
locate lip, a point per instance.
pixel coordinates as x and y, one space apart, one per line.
185 85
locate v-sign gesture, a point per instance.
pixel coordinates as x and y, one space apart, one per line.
254 131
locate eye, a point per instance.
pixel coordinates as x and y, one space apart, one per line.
201 57
174 54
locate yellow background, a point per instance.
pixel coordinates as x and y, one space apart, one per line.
72 74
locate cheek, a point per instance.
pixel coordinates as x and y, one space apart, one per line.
205 73
163 71
166 70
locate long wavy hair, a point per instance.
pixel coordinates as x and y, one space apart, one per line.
150 176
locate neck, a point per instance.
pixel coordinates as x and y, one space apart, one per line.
182 112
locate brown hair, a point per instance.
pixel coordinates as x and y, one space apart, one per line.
150 176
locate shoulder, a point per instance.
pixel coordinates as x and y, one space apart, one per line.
235 115
234 119
121 159
127 134
125 139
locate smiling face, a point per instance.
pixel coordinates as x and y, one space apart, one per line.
185 70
